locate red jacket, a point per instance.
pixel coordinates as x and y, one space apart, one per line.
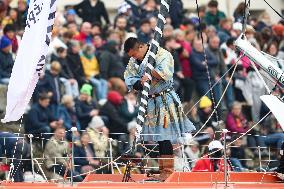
83 38
206 165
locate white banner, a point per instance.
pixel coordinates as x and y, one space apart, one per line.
276 106
30 58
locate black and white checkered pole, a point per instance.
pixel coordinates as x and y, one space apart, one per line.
151 54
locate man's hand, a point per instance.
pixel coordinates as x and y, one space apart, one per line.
180 75
53 124
144 79
95 162
94 113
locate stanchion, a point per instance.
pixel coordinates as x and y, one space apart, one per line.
225 131
73 129
32 155
110 155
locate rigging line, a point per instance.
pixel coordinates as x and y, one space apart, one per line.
206 64
225 90
273 9
218 81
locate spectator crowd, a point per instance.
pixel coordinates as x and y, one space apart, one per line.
83 83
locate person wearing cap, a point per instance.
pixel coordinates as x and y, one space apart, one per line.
116 124
70 16
213 161
6 60
99 135
205 109
86 108
165 117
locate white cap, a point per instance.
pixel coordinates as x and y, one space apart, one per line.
96 123
215 144
237 26
123 8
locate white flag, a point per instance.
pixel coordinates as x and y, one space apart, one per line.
30 58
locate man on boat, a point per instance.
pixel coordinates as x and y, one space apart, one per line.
165 121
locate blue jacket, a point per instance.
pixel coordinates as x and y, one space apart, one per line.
69 118
199 69
37 118
80 156
83 110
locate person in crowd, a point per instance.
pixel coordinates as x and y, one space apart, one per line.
14 146
219 70
111 64
184 53
229 51
176 13
74 61
149 9
238 153
192 152
128 109
10 32
92 71
236 122
70 16
40 120
145 33
173 47
66 75
224 31
136 12
84 155
68 114
204 112
239 12
52 86
199 70
6 60
86 108
213 161
92 11
99 136
213 16
57 155
85 37
110 109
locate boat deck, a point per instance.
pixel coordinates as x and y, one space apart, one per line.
176 180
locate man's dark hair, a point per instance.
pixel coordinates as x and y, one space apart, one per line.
213 3
43 96
145 21
130 43
60 50
230 41
8 28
